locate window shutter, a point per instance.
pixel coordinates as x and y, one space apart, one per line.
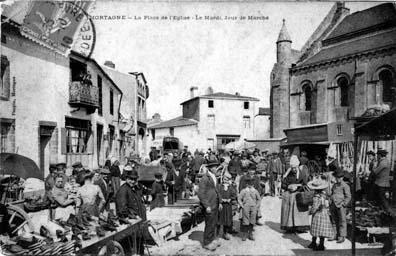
63 141
90 145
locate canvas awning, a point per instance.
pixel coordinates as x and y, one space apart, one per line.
310 134
383 125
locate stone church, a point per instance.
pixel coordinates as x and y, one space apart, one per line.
347 65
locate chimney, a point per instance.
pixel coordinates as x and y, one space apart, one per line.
209 90
109 64
237 94
157 117
192 91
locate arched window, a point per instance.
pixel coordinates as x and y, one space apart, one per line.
343 84
307 89
388 85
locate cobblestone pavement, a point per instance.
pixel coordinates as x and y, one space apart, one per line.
269 240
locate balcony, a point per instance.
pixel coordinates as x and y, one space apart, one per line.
83 95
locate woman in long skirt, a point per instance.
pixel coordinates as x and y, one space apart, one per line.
293 218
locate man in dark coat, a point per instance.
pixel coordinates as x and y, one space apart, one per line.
382 179
197 162
129 202
153 154
210 199
235 165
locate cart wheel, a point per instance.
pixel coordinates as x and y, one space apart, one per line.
19 220
113 248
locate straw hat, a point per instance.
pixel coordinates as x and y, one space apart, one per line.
318 184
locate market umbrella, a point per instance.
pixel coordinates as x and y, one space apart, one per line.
20 166
239 145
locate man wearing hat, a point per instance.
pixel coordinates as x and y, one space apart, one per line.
129 200
235 165
381 175
210 199
340 198
129 203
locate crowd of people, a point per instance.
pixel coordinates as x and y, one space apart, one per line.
228 184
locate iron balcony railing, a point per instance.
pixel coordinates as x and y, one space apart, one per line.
82 94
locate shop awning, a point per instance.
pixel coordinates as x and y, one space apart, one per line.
310 134
384 124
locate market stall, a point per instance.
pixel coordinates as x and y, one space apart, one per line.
380 130
28 226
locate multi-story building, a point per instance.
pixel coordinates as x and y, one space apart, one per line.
55 108
211 120
133 109
346 66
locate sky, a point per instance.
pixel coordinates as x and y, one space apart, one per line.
228 55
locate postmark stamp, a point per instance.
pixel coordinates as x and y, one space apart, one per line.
60 25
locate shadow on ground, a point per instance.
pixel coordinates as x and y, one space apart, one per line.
295 238
196 236
338 252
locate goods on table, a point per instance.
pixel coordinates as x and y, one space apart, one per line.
372 217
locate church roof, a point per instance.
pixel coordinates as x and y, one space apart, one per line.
284 34
363 22
353 47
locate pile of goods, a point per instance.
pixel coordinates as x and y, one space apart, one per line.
372 217
63 237
38 247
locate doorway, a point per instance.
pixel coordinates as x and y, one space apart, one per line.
45 133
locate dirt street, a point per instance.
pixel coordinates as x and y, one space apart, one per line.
269 240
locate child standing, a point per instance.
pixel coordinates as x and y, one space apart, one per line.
157 192
321 225
248 200
228 198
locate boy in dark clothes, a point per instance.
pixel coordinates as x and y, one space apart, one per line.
158 192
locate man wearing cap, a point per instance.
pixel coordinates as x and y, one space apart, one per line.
77 167
129 203
340 198
255 181
381 175
50 180
368 178
210 199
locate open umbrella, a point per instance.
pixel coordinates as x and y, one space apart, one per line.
239 145
20 166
